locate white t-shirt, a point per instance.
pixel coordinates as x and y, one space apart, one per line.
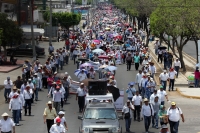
125 110
81 92
172 74
82 76
57 129
174 114
137 99
162 95
164 77
63 120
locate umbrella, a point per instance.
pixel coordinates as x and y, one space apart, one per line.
107 28
103 57
98 51
86 81
131 83
162 47
118 37
78 71
115 92
111 68
83 59
60 75
103 66
96 41
86 65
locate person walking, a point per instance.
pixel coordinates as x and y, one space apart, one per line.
128 61
38 85
172 74
162 95
173 114
6 124
136 59
27 97
177 66
138 79
130 91
49 115
163 77
156 106
147 113
57 128
128 114
7 85
15 105
51 49
80 96
162 115
63 120
137 103
57 95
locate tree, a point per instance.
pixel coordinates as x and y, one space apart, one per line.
12 33
175 18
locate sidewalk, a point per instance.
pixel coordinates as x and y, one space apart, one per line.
181 83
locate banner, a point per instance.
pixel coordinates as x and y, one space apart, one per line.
84 2
74 86
119 103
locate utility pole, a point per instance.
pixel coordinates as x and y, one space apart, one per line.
32 32
50 24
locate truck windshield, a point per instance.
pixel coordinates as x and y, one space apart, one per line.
100 113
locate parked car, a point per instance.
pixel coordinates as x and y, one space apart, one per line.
26 49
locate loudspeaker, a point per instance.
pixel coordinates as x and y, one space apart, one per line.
97 87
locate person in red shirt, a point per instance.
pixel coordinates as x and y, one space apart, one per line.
67 44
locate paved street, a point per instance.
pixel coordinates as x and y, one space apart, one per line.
190 49
34 124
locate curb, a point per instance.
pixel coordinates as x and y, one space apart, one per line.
187 96
18 66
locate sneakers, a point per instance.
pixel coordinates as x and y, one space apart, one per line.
17 124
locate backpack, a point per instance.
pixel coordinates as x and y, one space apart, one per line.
129 58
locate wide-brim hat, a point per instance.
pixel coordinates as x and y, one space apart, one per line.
146 100
49 102
5 114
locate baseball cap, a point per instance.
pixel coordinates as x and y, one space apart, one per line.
58 120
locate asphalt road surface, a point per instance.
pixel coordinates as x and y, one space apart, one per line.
34 124
190 49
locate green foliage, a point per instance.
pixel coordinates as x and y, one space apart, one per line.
46 15
79 2
11 32
66 19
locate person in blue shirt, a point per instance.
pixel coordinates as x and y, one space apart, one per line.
91 56
136 59
131 91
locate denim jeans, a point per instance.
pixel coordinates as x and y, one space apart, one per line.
48 87
6 93
171 84
66 59
155 120
57 106
164 84
27 106
147 122
16 115
196 83
147 93
177 70
36 93
61 65
143 92
174 126
128 124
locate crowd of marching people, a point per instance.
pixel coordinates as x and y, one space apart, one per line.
109 41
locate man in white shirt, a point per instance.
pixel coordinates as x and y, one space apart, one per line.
147 112
57 95
16 106
8 85
82 75
142 84
177 66
128 114
137 102
6 124
61 58
174 114
162 94
172 74
38 85
27 97
138 79
80 96
152 97
57 128
163 79
62 118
